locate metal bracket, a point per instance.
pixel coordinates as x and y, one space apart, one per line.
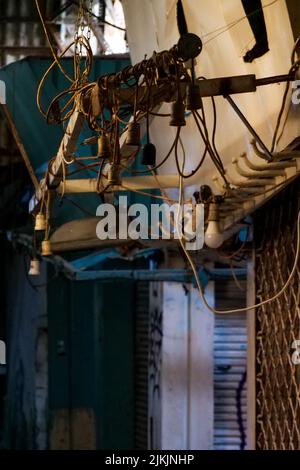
254 134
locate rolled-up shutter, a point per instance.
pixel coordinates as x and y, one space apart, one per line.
230 363
141 365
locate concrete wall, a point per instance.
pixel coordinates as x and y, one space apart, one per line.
187 369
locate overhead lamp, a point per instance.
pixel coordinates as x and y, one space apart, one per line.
46 248
149 154
40 223
178 113
113 176
133 136
103 147
34 268
213 236
193 96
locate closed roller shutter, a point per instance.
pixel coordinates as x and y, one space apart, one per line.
230 363
141 365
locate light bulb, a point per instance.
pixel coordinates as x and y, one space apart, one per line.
213 236
34 268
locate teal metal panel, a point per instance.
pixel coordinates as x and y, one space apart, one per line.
82 345
91 355
58 297
115 303
41 140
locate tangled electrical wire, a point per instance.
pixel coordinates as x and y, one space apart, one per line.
83 61
108 104
116 105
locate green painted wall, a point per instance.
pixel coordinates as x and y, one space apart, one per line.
91 355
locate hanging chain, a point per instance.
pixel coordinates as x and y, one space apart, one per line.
77 29
89 21
84 18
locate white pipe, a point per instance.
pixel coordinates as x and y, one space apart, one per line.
134 183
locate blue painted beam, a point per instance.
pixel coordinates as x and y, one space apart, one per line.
94 258
171 275
91 260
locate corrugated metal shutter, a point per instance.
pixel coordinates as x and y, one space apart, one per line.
141 365
230 357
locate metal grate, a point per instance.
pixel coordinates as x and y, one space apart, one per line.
278 323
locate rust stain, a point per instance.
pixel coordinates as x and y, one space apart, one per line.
73 429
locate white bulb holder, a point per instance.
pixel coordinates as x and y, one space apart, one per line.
213 236
34 268
114 178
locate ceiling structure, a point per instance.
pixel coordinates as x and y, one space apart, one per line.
22 35
226 37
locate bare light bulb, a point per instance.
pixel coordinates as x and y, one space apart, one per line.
213 236
34 268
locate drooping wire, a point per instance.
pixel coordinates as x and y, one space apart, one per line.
223 29
193 172
205 137
293 69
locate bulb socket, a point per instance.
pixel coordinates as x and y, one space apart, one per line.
193 97
213 213
103 147
40 223
114 175
133 136
177 114
213 235
149 155
46 248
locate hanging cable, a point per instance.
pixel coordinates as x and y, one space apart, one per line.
295 66
223 29
198 282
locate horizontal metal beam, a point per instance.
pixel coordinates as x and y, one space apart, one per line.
162 275
208 87
275 79
89 185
